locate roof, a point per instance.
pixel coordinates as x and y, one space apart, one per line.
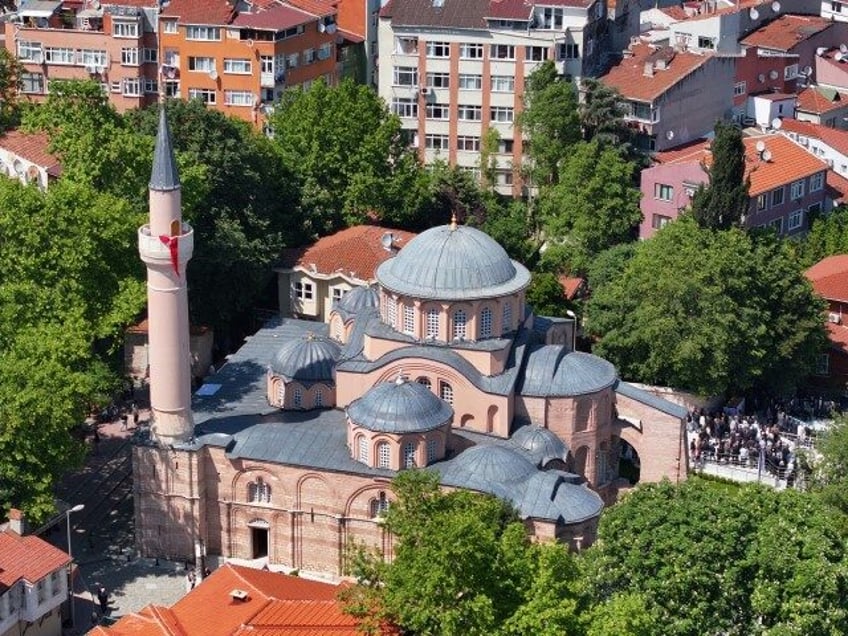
838 336
453 262
554 371
355 252
676 12
649 399
462 14
27 557
164 175
276 604
215 12
400 407
33 147
276 17
830 277
307 359
540 443
837 187
786 31
628 76
727 7
819 101
571 285
319 8
833 137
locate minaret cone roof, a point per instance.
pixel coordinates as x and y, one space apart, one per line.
164 175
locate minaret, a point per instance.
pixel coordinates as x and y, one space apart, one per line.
166 245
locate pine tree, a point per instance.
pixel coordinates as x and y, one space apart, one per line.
723 203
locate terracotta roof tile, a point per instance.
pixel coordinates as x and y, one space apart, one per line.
509 10
629 78
213 12
833 137
812 100
468 14
356 250
830 277
692 151
837 187
675 12
786 32
319 8
728 7
28 558
571 285
33 147
276 17
150 4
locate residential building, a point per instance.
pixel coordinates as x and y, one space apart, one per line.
758 75
836 10
829 278
672 97
310 280
821 105
113 42
831 68
787 184
33 582
236 600
454 69
25 156
828 144
359 25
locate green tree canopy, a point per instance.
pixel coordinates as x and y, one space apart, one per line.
743 316
10 83
829 464
602 114
723 202
828 236
546 296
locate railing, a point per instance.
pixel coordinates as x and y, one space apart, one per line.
152 246
754 468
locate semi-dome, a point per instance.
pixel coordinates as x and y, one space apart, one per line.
554 371
540 443
487 467
309 359
357 299
453 262
399 407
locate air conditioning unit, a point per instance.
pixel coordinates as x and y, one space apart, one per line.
90 69
834 318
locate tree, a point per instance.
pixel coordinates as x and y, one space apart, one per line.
546 296
10 84
609 264
829 465
602 114
828 236
743 317
723 203
506 222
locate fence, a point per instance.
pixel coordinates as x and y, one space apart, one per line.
755 468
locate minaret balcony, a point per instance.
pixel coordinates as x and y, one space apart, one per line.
153 248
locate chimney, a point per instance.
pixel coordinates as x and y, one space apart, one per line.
17 522
649 69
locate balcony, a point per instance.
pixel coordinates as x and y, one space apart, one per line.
152 249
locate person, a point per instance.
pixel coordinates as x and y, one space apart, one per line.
192 579
124 421
96 441
103 599
135 415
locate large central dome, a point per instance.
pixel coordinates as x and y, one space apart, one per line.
453 262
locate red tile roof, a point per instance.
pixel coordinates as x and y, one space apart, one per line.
571 285
212 12
785 32
837 187
276 17
838 336
509 10
28 558
830 277
833 137
33 147
132 3
318 8
731 6
356 250
675 12
629 78
811 100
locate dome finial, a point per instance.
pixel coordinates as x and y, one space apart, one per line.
399 379
453 221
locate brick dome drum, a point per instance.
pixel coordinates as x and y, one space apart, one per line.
309 359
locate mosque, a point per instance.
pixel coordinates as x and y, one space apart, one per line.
287 453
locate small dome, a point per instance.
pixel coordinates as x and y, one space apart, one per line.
358 298
452 262
308 359
399 407
484 467
541 444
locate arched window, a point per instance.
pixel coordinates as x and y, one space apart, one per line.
432 450
319 397
362 449
433 323
297 397
384 455
379 506
446 392
281 393
391 312
409 455
459 321
425 381
486 323
507 318
337 329
408 319
258 491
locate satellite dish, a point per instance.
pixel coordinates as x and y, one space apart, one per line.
775 6
669 135
808 70
761 77
18 166
213 74
766 156
761 145
838 57
755 15
777 123
773 74
387 240
843 48
821 50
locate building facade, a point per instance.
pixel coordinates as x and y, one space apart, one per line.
829 278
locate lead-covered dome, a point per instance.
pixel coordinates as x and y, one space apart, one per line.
399 407
453 262
487 467
540 443
308 359
357 299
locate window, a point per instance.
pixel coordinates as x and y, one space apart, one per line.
203 33
362 449
319 398
663 192
817 182
505 146
32 83
777 225
762 202
438 80
151 86
790 72
438 111
796 190
438 49
259 491
424 381
384 455
502 114
292 60
29 51
150 55
569 51
468 112
813 211
205 95
436 142
446 392
409 455
503 83
486 323
502 52
55 581
405 107
132 86
644 112
535 53
169 26
125 29
239 98
470 82
391 312
266 63
92 57
172 88
308 56
796 220
237 66
469 51
552 18
467 143
740 88
41 590
507 318
659 221
432 450
201 64
406 46
777 196
297 397
324 52
406 76
408 319
57 55
433 323
705 42
129 57
379 506
459 323
504 177
303 291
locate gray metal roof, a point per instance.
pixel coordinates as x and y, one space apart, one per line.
554 371
357 299
400 407
308 359
540 443
164 175
451 262
649 399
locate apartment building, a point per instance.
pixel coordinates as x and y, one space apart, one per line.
821 105
453 69
113 43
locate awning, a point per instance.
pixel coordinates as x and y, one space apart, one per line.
39 8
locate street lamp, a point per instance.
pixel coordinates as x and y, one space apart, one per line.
573 317
68 512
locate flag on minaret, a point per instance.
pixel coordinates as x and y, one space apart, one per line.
173 243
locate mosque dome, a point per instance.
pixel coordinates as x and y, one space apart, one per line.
357 299
486 467
399 407
541 443
309 359
554 371
453 262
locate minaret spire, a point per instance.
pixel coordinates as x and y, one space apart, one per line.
164 176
